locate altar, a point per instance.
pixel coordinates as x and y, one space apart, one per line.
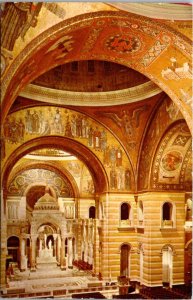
46 256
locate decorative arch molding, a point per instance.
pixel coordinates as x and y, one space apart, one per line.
58 97
64 173
26 67
98 173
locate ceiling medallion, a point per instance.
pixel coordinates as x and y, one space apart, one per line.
172 160
123 43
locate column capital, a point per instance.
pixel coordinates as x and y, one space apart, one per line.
55 235
34 237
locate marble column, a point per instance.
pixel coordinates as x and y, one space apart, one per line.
62 255
54 246
70 254
22 247
33 253
23 258
58 249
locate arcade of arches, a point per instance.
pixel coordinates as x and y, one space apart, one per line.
96 141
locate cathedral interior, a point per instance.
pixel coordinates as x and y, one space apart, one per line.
96 150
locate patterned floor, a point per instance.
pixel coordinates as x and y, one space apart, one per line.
50 279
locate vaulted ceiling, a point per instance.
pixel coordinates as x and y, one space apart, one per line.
74 75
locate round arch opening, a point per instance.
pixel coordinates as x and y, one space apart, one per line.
97 171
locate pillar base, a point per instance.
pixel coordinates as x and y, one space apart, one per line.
33 270
3 289
22 270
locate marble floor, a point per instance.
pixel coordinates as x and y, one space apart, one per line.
54 279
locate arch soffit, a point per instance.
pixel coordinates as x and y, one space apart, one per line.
64 173
97 171
28 58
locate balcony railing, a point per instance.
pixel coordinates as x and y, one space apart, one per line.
167 223
125 223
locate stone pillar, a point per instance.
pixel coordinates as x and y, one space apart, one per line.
23 258
54 246
86 250
70 254
58 249
79 238
75 240
96 247
62 254
22 247
33 253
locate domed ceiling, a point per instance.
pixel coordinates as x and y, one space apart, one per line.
90 76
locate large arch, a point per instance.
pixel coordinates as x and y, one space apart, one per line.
84 154
63 43
47 166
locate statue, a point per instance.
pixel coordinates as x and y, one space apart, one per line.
50 245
